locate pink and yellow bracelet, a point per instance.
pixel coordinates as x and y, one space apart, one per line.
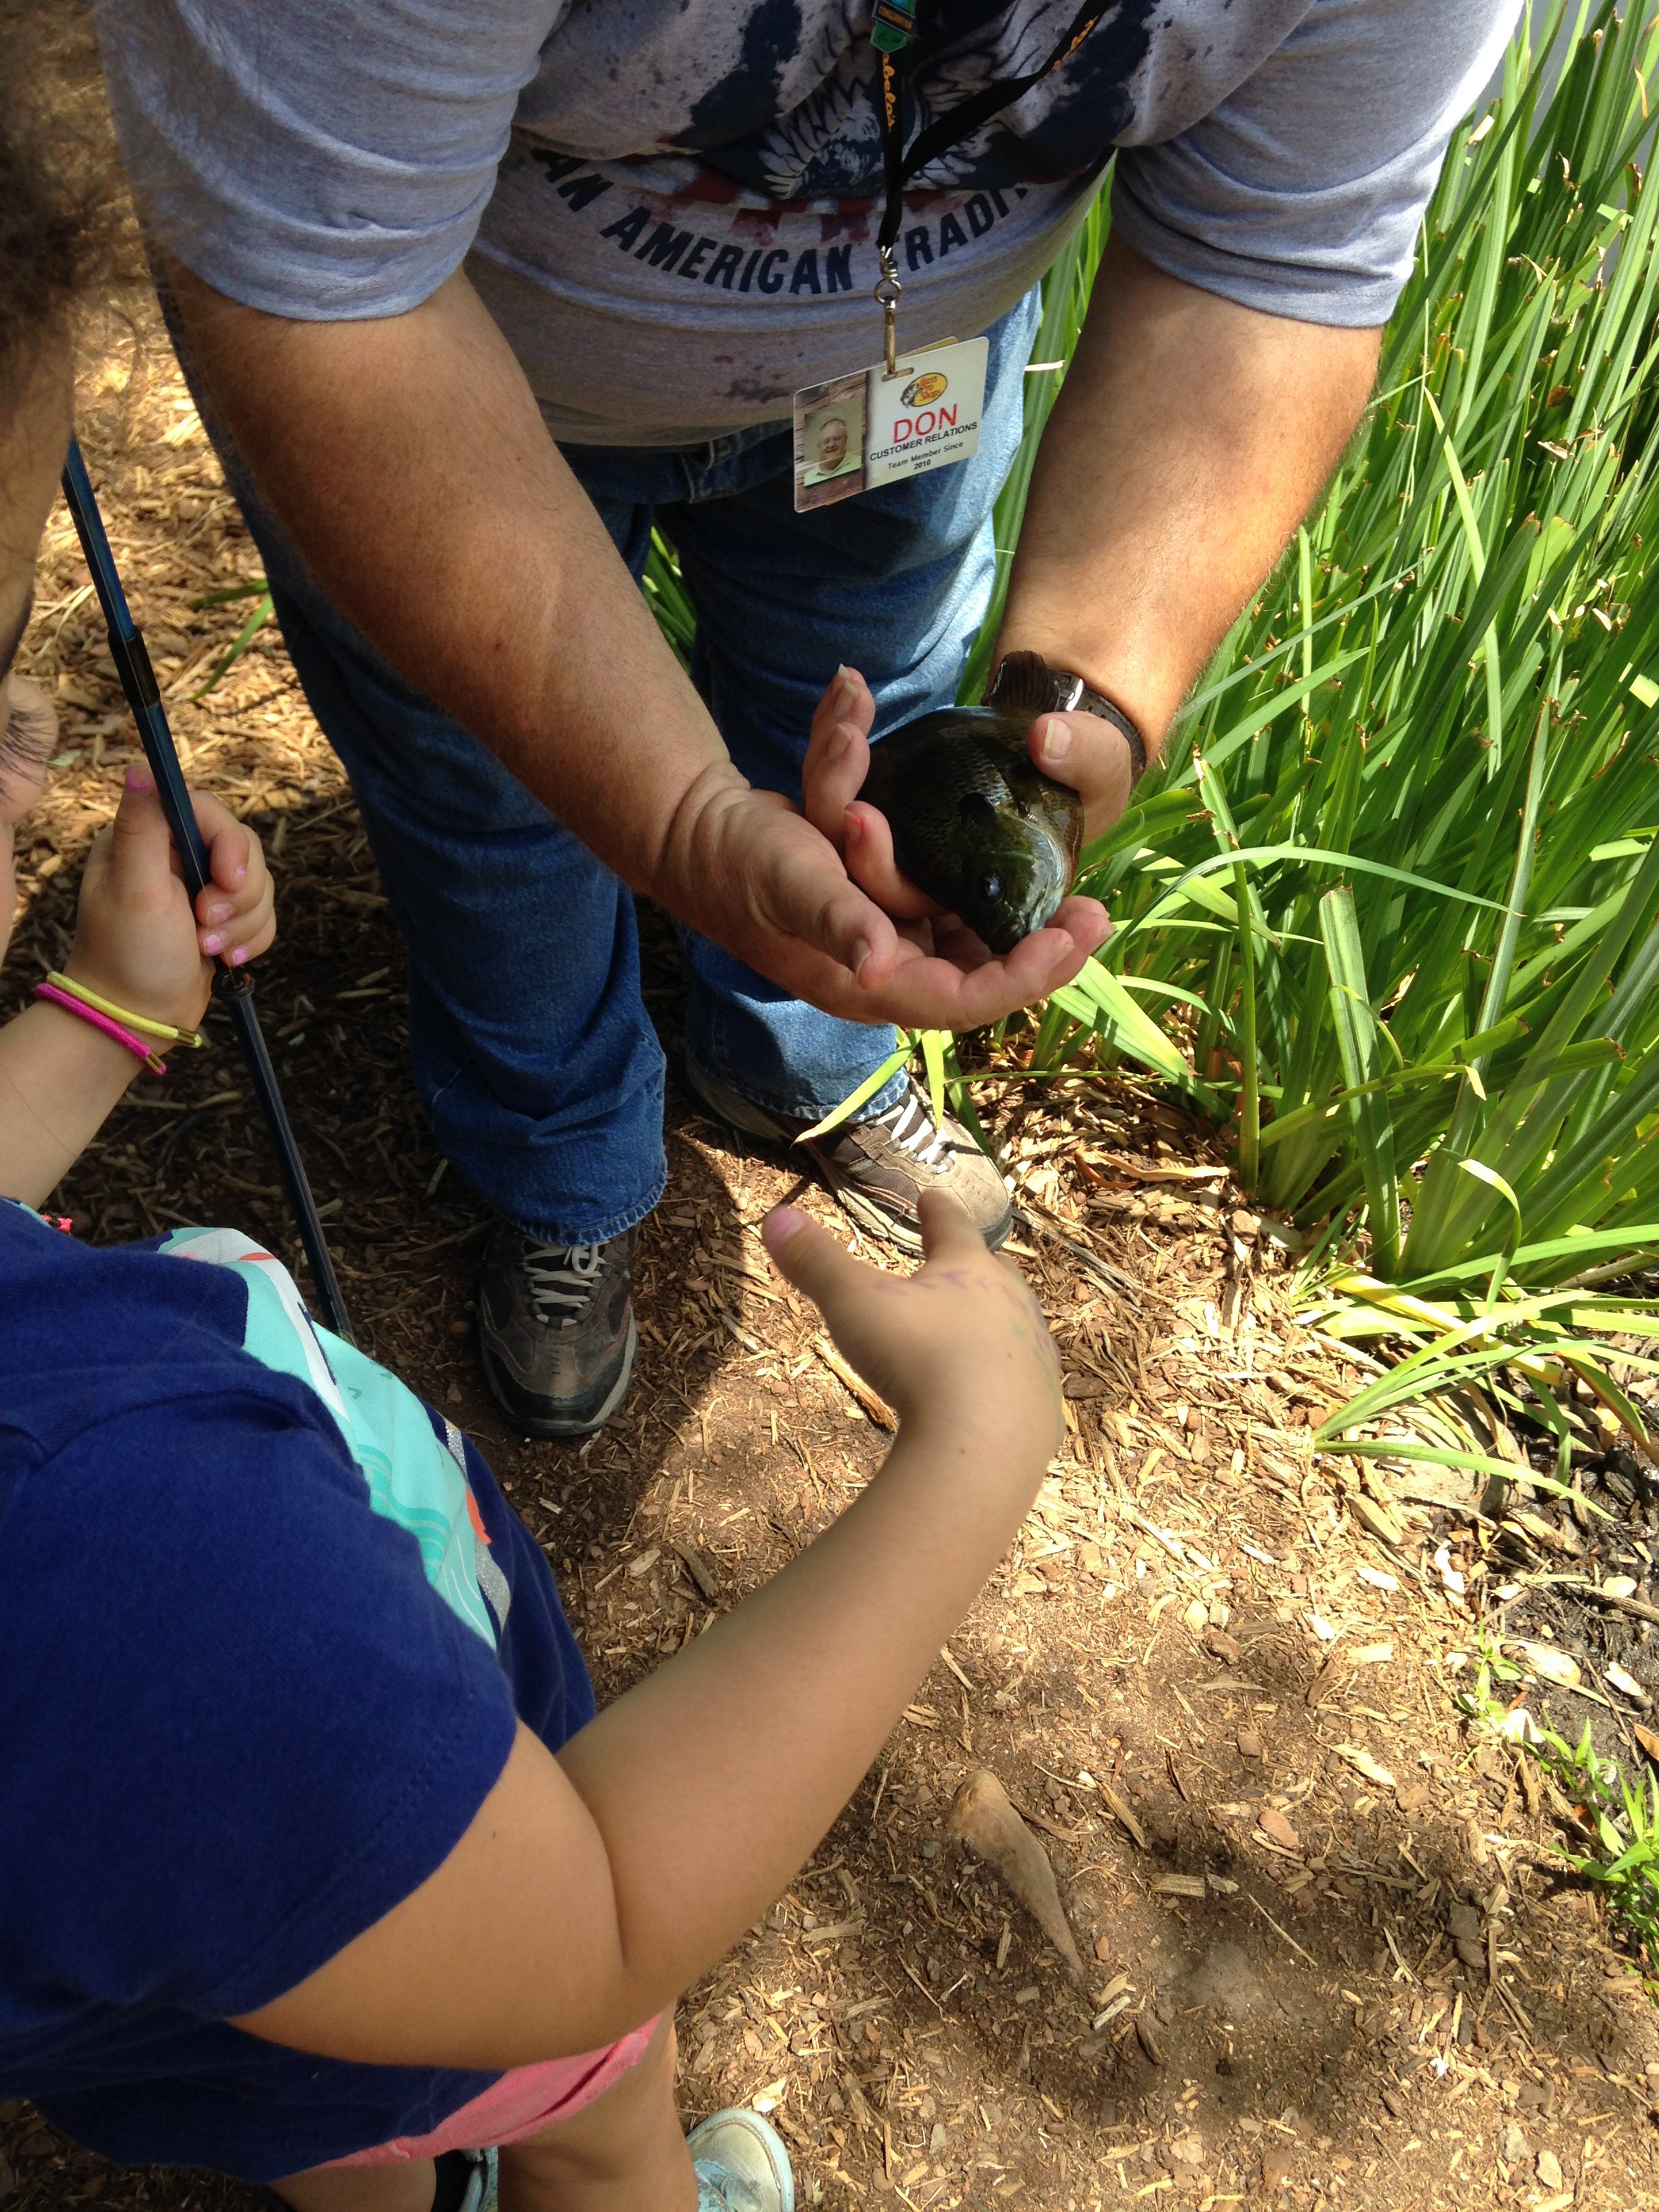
133 1031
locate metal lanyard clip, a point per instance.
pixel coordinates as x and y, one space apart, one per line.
893 28
888 293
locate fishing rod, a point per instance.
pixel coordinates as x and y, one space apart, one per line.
233 986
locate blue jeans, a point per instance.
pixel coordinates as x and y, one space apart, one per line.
532 1051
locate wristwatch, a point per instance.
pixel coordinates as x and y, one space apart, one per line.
1070 694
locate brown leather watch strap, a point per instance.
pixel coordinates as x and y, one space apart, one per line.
1071 696
1083 701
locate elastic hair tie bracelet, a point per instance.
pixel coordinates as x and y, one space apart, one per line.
141 1023
137 1046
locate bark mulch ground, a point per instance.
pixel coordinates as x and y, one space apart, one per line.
1329 1954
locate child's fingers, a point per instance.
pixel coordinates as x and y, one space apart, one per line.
234 852
235 909
139 854
247 935
947 1229
811 1257
232 913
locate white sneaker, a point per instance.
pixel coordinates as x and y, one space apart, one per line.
741 2164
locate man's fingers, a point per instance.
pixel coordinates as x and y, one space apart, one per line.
833 780
1092 756
871 863
837 753
1085 921
1051 957
810 929
929 992
848 698
822 909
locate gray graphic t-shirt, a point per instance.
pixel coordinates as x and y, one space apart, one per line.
670 205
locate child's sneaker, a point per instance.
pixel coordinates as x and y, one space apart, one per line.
482 2185
467 2180
741 2164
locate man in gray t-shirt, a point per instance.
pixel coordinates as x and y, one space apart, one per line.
473 290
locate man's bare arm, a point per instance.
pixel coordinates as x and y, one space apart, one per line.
406 457
1191 438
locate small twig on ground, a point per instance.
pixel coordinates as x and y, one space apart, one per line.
1121 1813
1111 1278
1277 1930
1631 1605
855 1384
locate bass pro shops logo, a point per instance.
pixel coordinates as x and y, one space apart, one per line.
921 396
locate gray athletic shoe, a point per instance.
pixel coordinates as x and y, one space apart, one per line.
556 1330
878 1169
741 2164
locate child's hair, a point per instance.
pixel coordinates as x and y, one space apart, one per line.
66 227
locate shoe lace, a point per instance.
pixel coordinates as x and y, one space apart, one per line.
563 1279
914 1129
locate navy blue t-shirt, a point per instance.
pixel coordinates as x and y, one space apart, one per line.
265 1625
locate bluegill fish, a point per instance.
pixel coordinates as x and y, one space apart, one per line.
976 823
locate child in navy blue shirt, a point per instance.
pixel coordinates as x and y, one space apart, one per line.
316 1866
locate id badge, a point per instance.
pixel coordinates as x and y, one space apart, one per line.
855 432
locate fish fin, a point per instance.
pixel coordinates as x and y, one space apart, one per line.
1024 683
974 806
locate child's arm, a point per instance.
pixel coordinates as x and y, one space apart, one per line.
138 945
589 1890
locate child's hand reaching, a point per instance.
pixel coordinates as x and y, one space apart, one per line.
617 1872
137 941
959 1349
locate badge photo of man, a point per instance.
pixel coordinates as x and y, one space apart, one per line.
838 440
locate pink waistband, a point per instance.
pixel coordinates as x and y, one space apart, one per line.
522 2102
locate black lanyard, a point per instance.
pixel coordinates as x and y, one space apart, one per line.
940 137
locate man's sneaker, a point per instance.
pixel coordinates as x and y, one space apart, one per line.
741 2164
878 1169
556 1330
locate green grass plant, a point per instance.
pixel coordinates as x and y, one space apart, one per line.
1402 856
1616 1813
264 609
1416 871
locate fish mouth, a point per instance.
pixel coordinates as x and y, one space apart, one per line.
1002 936
1010 924
1002 941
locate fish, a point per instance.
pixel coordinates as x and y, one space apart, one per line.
976 825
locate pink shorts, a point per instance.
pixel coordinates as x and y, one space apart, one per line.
522 2102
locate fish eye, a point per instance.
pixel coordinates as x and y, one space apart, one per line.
990 889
